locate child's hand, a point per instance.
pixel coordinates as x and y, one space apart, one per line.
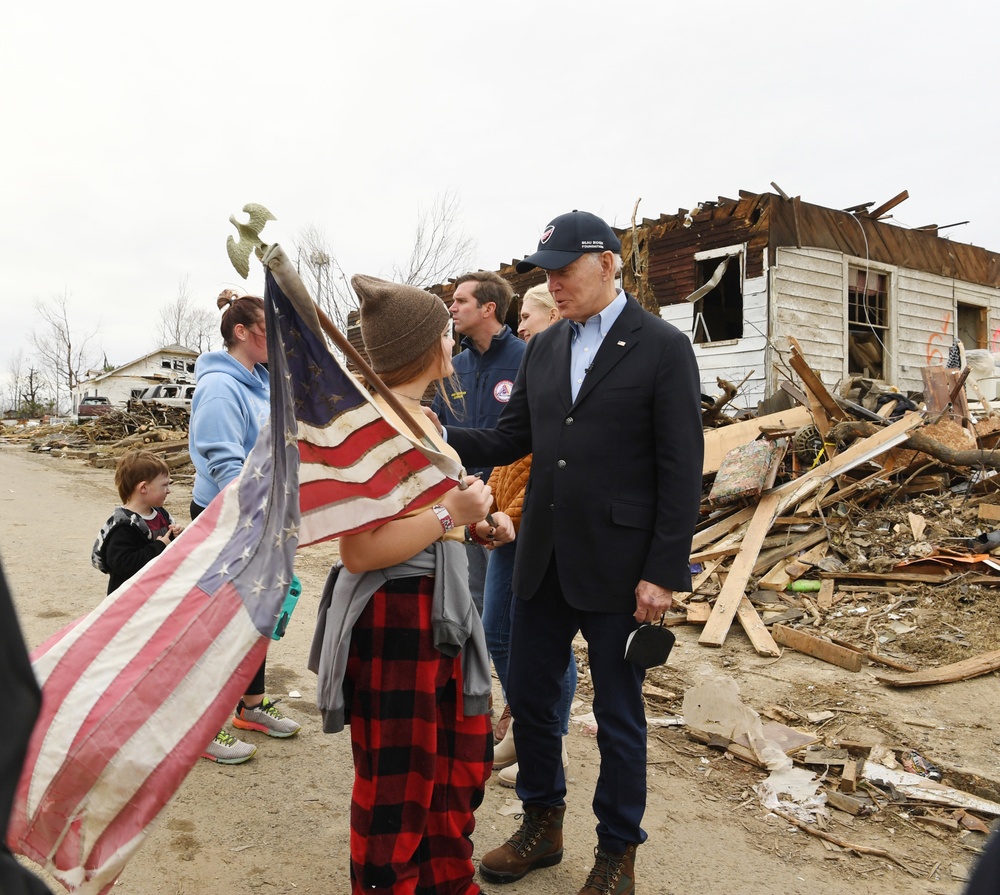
175 530
165 537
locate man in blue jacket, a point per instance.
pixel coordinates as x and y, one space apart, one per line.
485 371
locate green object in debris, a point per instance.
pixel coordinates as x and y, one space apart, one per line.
804 585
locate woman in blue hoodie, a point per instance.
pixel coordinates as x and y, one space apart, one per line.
231 402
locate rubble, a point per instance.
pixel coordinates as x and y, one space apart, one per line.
101 440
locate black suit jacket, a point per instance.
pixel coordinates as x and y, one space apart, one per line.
616 475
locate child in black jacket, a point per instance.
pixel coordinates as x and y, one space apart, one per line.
140 529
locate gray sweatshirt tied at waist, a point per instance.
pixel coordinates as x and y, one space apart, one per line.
456 624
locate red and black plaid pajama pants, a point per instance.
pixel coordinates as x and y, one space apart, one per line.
420 768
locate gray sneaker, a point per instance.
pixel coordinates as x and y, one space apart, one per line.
226 749
265 718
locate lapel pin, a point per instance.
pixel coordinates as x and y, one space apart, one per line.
621 344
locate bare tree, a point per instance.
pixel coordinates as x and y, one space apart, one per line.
64 354
12 382
322 274
440 249
440 245
32 400
182 323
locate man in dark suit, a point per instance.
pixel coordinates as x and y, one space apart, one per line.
609 402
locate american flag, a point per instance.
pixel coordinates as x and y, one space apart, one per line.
134 691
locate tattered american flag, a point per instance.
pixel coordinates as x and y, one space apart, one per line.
134 691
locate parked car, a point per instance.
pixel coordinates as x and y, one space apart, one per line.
89 408
173 394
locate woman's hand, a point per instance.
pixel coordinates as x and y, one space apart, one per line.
500 532
470 504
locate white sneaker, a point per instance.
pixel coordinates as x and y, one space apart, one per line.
226 749
265 718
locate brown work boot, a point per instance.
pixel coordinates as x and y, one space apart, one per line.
538 843
612 874
503 722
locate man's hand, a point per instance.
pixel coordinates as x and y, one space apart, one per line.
651 601
433 417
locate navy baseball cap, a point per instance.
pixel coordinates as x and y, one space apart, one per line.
569 236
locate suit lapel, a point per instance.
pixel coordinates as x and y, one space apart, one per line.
621 338
560 364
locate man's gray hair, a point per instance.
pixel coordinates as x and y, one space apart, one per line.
618 261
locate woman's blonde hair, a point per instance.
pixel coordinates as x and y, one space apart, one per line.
541 296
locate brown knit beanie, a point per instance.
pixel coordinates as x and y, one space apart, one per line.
398 322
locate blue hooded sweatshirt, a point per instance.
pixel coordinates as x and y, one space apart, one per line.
229 407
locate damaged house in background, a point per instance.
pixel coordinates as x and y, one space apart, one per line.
863 296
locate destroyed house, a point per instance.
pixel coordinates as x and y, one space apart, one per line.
864 297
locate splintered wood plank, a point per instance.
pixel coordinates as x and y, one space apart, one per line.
719 551
849 777
777 578
946 674
721 528
729 597
989 512
824 599
821 402
698 613
756 630
788 550
817 648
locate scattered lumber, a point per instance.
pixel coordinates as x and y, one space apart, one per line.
775 502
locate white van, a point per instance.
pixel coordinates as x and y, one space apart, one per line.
171 394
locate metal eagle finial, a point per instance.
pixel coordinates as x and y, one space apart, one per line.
239 252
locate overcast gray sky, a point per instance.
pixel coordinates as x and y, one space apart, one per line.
132 131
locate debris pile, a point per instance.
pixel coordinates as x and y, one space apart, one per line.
102 440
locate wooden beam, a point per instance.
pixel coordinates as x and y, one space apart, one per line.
888 206
717 530
756 630
947 674
815 389
817 648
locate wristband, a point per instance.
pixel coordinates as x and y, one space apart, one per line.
444 517
474 537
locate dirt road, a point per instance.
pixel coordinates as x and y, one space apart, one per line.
279 824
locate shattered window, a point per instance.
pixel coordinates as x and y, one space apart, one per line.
718 308
867 321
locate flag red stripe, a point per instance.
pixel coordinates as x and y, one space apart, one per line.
351 449
383 481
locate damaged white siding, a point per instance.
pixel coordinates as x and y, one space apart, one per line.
732 359
805 296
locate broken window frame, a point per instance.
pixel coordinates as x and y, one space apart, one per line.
876 307
727 268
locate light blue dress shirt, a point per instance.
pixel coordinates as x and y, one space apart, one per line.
586 341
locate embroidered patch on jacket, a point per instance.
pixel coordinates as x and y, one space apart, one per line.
502 390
